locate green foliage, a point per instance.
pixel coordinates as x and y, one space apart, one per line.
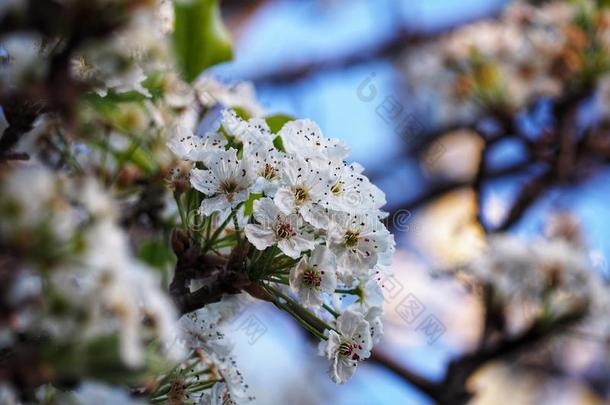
200 38
276 122
249 204
156 253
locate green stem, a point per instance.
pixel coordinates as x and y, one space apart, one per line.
300 320
283 266
353 291
218 231
330 310
200 386
208 227
237 230
296 306
181 210
292 313
276 280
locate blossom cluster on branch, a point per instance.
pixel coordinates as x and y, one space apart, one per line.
301 220
529 52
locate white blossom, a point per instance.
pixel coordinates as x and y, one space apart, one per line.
357 241
351 191
347 346
275 228
522 271
200 329
225 182
304 138
301 190
313 276
188 146
374 317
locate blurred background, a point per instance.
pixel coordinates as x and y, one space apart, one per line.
342 63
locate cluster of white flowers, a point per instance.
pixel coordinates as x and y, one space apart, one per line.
307 205
202 331
122 64
76 257
553 275
525 54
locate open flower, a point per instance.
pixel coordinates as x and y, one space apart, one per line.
200 329
347 346
274 227
313 276
225 182
304 138
302 188
188 146
357 241
351 191
267 163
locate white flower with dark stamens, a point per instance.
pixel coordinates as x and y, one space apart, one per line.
225 182
301 190
257 141
188 146
275 228
304 138
357 241
267 163
267 166
200 329
347 346
313 276
351 191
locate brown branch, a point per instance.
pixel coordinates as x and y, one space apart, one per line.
217 273
14 156
440 189
527 196
424 385
20 114
453 390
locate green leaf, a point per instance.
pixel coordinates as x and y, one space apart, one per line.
276 122
279 143
200 38
140 157
156 253
249 205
